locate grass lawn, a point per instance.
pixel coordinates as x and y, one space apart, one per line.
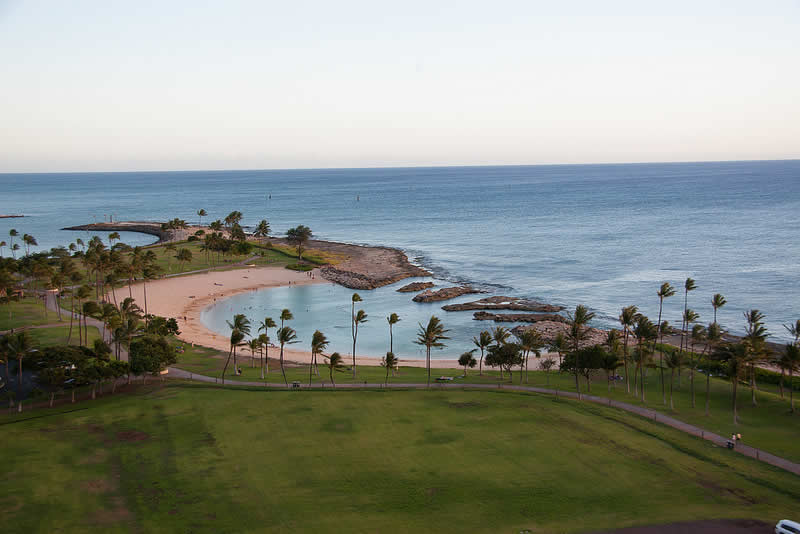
57 335
769 426
194 458
25 312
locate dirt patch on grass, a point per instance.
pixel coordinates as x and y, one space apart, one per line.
132 436
715 526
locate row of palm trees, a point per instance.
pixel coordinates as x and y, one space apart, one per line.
27 239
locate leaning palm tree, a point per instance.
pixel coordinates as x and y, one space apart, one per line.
286 315
664 292
627 318
482 341
265 325
236 340
286 336
201 213
113 236
334 364
717 302
393 319
359 318
431 336
389 361
318 345
12 234
242 324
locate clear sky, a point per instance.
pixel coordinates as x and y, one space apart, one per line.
150 85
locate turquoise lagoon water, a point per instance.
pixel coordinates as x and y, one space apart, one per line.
602 235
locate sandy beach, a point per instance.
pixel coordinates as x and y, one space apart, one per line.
185 297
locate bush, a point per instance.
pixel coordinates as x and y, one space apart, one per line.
300 267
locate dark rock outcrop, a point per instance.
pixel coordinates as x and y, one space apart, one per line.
413 287
504 303
445 293
550 329
517 317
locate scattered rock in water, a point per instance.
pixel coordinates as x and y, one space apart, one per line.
504 303
413 287
550 329
517 317
445 293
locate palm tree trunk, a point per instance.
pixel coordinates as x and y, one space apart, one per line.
625 361
144 288
671 382
791 389
753 384
262 363
266 355
310 367
708 391
226 364
780 384
355 336
428 363
332 382
71 317
480 364
735 412
282 370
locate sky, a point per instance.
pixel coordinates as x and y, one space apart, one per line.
109 85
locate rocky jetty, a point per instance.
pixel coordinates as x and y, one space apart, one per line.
11 216
364 267
517 317
504 303
550 329
152 228
413 287
445 293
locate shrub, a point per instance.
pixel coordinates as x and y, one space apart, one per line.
300 267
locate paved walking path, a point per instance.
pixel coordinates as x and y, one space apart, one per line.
718 440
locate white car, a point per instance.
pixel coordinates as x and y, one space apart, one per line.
785 526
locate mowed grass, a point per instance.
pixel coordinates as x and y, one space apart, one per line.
200 459
58 335
28 311
770 426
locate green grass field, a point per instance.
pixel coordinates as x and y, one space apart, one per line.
193 458
770 425
25 312
57 335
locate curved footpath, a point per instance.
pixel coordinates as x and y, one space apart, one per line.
716 439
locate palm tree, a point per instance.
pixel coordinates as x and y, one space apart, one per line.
359 318
29 241
689 317
467 360
530 340
265 325
353 326
169 248
286 315
664 292
12 234
610 363
19 345
560 346
236 340
792 360
184 255
81 244
578 322
298 237
735 355
389 361
645 331
713 339
673 362
14 248
755 342
717 302
201 213
393 319
431 336
688 285
242 324
2 246
254 345
262 229
318 345
286 336
546 365
112 237
482 341
500 334
627 319
698 336
334 364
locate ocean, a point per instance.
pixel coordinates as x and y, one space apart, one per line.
602 235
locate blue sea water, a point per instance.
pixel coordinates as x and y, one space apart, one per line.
603 235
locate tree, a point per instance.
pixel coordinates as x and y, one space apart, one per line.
698 336
529 341
546 365
237 233
12 234
334 364
359 318
755 340
689 318
560 346
318 345
431 336
19 345
645 331
467 360
262 229
151 354
627 319
298 237
713 339
2 246
286 315
390 362
183 256
688 285
355 298
265 325
286 336
665 291
583 361
236 339
578 327
673 361
201 213
506 356
233 217
112 237
735 356
242 324
29 241
612 362
393 319
254 346
792 363
482 341
717 302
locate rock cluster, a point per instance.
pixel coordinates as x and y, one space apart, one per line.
517 317
413 287
355 280
504 303
550 329
445 293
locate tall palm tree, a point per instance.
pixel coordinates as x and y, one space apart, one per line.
560 346
393 319
201 213
431 336
688 285
265 325
264 341
12 234
673 362
578 326
755 343
262 229
286 336
530 340
689 318
500 334
627 318
735 355
286 315
713 340
389 361
334 364
698 335
113 236
183 256
242 324
717 302
29 241
664 292
359 318
645 331
19 345
2 246
237 337
318 345
482 341
254 345
792 360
